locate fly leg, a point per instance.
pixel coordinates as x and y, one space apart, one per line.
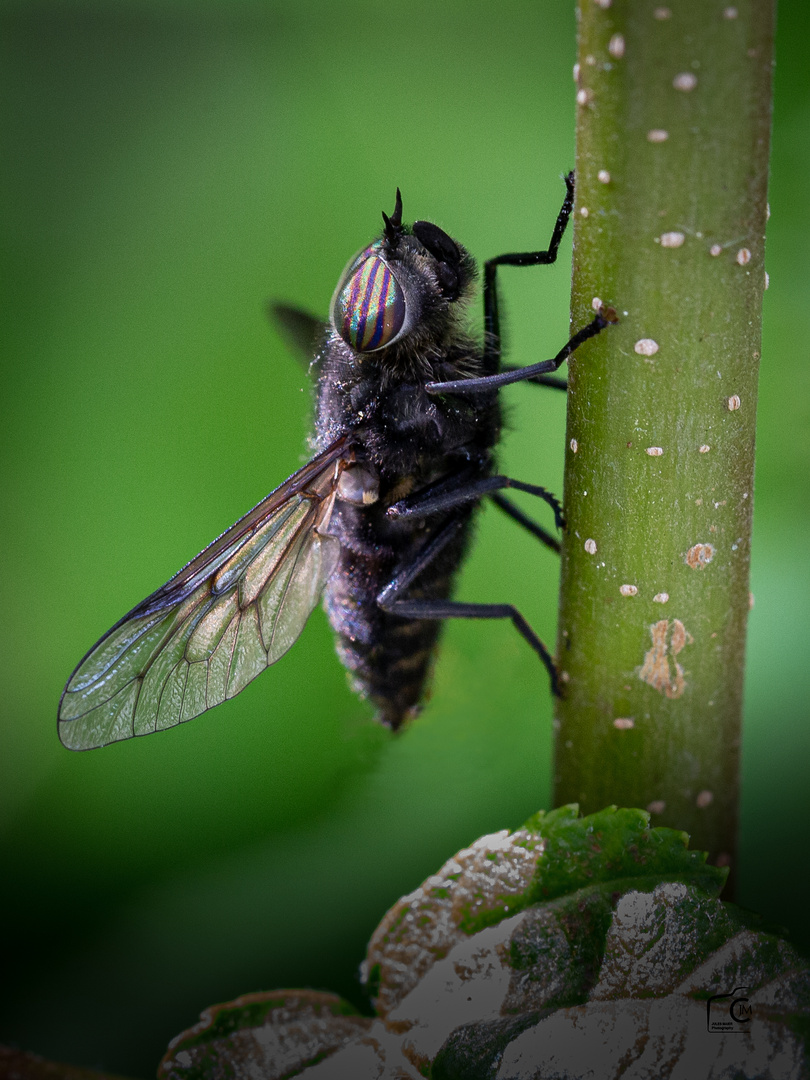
492 325
553 381
486 383
458 490
392 599
538 373
512 511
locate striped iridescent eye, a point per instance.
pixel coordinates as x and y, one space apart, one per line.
368 309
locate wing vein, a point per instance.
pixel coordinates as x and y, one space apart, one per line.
233 650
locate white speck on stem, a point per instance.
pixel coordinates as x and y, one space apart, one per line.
603 176
657 806
661 598
657 135
603 4
596 304
646 347
616 46
685 81
654 451
590 547
715 250
767 279
672 239
704 799
628 590
733 403
743 257
574 446
583 97
624 723
730 13
576 73
704 449
584 211
662 13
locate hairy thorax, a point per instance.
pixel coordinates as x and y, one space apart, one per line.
409 436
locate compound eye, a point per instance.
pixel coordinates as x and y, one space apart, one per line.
368 308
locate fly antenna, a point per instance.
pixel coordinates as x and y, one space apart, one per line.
393 224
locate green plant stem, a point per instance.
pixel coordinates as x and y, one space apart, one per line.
674 109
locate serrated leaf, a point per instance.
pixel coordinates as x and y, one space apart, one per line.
628 966
553 855
273 1035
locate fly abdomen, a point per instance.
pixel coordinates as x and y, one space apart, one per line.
389 657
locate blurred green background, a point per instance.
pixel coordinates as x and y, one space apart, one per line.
168 168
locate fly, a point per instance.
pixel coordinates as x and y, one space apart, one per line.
406 424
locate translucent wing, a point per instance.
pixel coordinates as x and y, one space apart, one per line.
215 625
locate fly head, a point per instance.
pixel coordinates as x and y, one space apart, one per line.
403 290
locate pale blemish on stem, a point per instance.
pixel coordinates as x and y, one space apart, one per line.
628 590
590 546
699 555
660 668
671 239
646 347
657 135
733 403
654 451
624 723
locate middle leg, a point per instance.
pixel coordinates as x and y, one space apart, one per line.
392 599
449 494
